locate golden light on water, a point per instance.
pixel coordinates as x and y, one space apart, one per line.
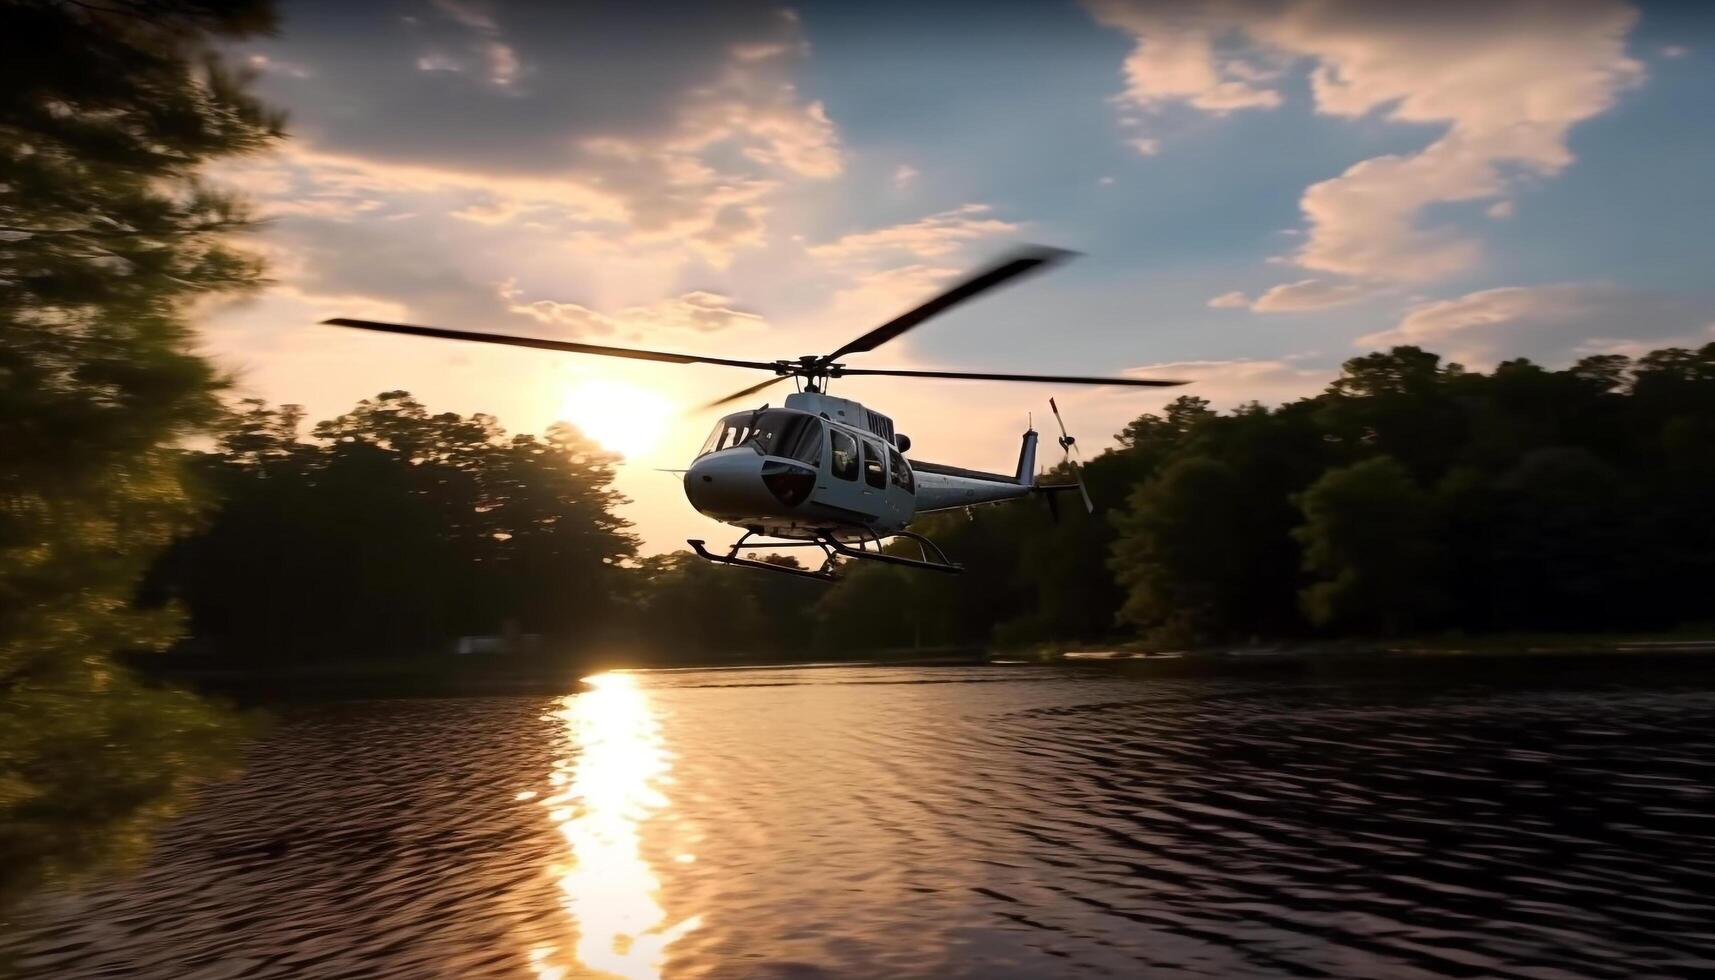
604 794
622 417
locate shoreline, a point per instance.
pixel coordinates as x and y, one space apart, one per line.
503 675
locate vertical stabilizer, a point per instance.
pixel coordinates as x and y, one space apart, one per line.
1027 460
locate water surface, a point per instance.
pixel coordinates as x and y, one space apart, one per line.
1541 820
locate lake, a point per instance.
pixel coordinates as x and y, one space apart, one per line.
1532 817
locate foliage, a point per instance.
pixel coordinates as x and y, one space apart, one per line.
1409 495
1369 536
107 112
1180 552
688 608
394 530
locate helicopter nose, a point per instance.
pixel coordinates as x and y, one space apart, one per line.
727 484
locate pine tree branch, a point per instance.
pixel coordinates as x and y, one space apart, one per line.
206 226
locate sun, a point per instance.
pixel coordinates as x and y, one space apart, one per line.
622 417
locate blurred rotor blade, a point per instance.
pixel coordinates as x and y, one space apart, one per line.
735 396
987 376
1070 446
541 343
1078 471
1026 260
1064 436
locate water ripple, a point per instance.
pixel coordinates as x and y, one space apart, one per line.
950 822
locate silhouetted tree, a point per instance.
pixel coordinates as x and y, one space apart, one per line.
1370 540
393 531
107 113
1524 497
1181 552
1566 548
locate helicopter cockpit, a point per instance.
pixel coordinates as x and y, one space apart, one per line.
770 432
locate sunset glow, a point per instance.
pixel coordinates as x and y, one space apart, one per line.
609 891
1462 181
622 417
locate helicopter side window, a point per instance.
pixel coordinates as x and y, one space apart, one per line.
874 465
845 454
900 472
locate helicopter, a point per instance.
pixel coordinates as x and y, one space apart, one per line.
826 472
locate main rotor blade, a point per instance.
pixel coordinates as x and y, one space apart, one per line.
541 343
735 396
1046 378
1026 260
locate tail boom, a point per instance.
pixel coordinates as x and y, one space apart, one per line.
941 487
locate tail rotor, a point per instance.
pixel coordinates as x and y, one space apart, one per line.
1069 446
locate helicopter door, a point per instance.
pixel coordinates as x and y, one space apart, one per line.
846 486
901 489
880 493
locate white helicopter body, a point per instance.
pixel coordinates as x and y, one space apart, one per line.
824 465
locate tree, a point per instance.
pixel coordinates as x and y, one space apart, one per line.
395 530
107 112
1565 549
693 609
1181 553
1369 538
1398 402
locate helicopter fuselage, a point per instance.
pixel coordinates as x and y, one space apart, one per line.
822 466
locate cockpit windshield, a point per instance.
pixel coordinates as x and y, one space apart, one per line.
771 432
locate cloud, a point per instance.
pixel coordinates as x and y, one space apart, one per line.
436 61
904 175
301 179
1310 294
1547 321
1228 384
1638 348
571 113
1505 81
930 237
1297 297
1177 59
263 63
1145 147
876 296
698 311
501 62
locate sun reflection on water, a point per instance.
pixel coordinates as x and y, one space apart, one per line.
601 797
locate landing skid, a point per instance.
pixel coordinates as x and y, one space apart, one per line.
931 557
825 573
925 548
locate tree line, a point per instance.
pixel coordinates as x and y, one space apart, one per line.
1411 496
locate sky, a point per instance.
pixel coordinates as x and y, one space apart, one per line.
1260 190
